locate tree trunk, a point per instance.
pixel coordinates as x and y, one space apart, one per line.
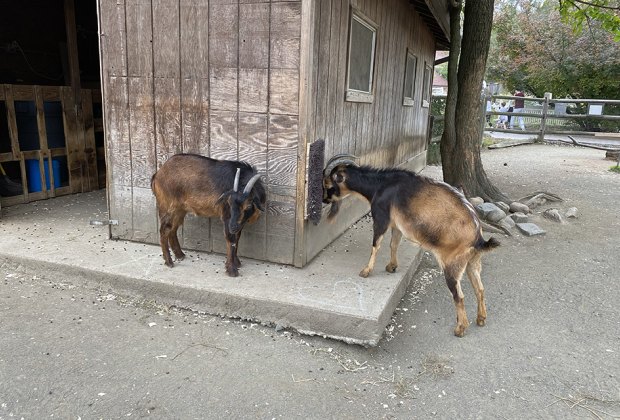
462 165
448 138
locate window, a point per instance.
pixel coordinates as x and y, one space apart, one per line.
428 78
409 87
362 40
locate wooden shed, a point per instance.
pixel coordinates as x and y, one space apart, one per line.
259 81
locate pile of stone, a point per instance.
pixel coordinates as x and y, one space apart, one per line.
517 214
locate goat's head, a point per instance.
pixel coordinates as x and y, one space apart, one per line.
245 207
334 182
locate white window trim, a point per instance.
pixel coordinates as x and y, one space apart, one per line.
409 100
354 95
426 93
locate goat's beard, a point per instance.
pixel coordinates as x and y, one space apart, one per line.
333 211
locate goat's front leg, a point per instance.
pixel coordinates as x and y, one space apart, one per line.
394 243
232 269
380 224
235 249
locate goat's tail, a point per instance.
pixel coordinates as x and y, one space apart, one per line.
483 246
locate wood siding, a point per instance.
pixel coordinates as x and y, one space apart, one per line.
219 78
383 133
255 80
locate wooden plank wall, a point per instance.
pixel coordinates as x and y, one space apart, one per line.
219 78
383 133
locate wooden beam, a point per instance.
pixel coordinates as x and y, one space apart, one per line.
72 50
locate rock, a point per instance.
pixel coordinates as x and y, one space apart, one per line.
490 212
517 207
507 223
519 217
537 200
554 215
503 206
476 201
530 229
612 154
571 212
496 215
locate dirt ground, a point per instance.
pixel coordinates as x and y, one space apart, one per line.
550 349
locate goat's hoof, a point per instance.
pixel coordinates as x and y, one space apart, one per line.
481 322
232 272
391 268
179 256
459 331
169 263
365 273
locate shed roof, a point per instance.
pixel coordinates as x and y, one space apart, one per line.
436 14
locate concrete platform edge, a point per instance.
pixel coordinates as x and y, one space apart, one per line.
362 331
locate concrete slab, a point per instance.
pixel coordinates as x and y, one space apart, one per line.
327 297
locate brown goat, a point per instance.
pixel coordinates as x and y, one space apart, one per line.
430 213
206 187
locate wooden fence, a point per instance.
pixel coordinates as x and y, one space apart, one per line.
553 116
47 142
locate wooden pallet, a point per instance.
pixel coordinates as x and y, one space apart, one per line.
79 151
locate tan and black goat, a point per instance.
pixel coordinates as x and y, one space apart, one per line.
206 187
428 212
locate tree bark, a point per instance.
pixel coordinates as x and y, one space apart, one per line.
448 138
462 165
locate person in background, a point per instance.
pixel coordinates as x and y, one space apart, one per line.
519 107
489 109
503 119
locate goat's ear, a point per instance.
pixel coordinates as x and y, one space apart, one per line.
338 177
258 204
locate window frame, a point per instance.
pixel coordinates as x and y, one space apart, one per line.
427 85
355 95
410 100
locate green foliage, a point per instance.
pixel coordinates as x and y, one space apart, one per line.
433 155
615 169
579 14
438 106
535 49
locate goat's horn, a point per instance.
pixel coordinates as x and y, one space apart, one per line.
342 158
251 183
236 184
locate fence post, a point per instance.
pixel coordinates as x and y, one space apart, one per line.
543 120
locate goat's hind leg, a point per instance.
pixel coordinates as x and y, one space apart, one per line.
394 243
454 273
165 228
177 222
474 267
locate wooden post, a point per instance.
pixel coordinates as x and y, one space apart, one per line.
75 149
543 120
